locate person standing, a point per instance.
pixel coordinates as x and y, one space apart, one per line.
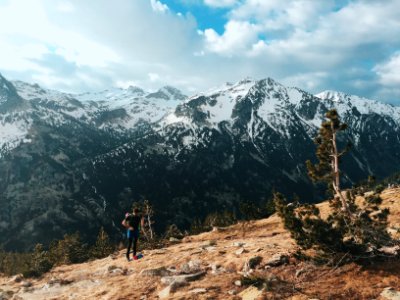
133 223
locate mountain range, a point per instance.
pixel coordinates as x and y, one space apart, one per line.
73 162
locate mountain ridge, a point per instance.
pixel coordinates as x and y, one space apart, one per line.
94 154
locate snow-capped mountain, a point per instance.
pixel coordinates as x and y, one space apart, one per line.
75 161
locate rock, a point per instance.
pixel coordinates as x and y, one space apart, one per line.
300 272
161 271
209 243
238 283
165 292
217 269
238 244
198 291
232 292
17 278
167 280
6 295
174 240
390 293
211 249
193 266
26 284
392 251
277 260
257 250
251 293
176 284
240 251
254 261
111 268
219 229
214 267
159 251
119 271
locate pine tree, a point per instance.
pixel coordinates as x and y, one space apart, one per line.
328 154
103 246
40 262
350 228
69 250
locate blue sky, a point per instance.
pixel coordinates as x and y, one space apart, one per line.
76 46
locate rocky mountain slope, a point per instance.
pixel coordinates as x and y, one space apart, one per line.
211 265
77 161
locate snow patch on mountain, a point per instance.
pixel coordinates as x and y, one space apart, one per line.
345 102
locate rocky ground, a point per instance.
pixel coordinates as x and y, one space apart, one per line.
211 265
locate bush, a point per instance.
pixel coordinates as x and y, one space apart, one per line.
360 237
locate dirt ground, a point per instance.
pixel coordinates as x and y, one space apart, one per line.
222 254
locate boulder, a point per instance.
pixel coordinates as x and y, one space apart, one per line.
6 295
161 271
240 251
392 251
164 293
167 280
193 266
198 291
390 293
254 261
277 260
238 244
17 278
251 293
26 284
238 283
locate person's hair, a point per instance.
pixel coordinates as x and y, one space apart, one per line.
136 210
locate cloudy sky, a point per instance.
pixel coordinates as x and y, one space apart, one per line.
76 46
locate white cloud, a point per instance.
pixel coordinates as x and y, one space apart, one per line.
158 6
77 46
65 6
153 76
238 36
389 71
220 3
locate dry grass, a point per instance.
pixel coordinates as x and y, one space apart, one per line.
263 238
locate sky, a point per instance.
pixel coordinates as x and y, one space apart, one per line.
351 46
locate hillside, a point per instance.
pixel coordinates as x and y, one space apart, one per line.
217 260
77 161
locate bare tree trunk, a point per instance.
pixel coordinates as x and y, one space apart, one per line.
149 213
336 173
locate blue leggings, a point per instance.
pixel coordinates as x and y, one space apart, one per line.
133 236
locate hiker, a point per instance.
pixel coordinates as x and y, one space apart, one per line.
133 223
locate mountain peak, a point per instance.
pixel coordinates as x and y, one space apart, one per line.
9 98
135 90
334 96
168 93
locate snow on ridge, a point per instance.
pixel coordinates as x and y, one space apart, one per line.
13 134
344 102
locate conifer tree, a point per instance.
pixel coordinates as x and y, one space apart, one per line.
102 247
350 228
328 154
